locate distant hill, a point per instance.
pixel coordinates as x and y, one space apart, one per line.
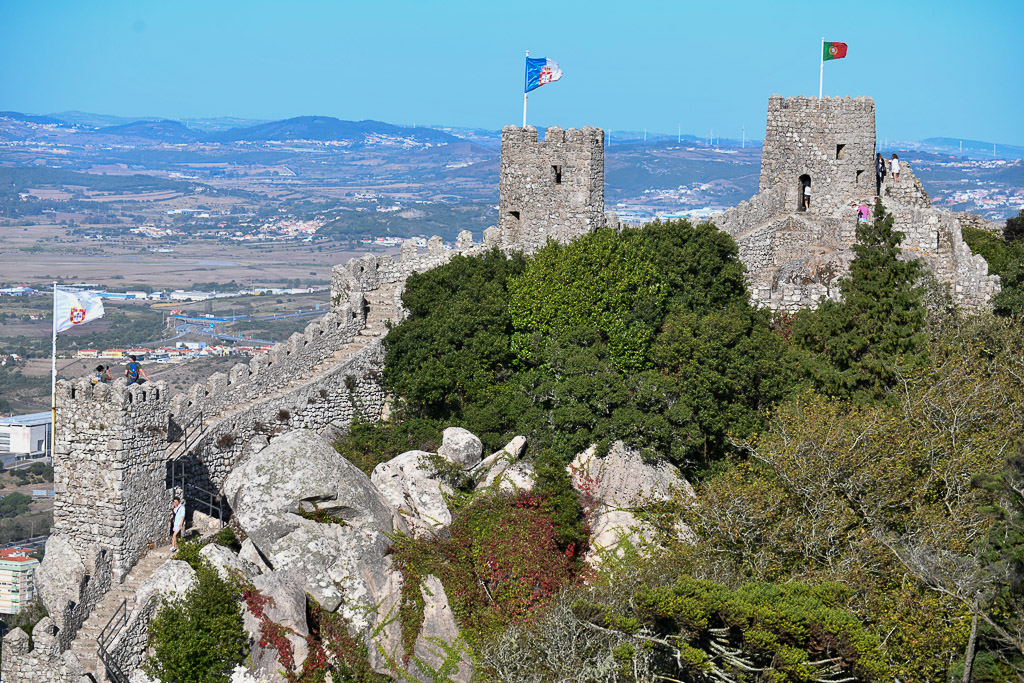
975 149
327 128
84 118
29 118
164 131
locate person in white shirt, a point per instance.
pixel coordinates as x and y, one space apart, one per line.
895 164
177 522
807 196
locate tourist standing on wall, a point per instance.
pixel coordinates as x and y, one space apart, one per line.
895 168
177 522
879 173
134 372
102 375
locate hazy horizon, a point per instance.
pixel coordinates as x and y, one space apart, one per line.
935 69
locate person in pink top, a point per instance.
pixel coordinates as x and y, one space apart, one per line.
862 213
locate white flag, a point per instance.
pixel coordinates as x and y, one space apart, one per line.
74 308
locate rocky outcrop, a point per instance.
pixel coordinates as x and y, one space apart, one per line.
614 487
439 638
409 483
228 564
172 580
460 447
341 561
286 608
409 486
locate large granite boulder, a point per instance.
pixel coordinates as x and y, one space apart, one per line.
343 559
612 488
172 580
227 563
461 447
408 486
438 634
286 608
490 469
60 575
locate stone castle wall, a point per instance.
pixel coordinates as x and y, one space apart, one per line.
109 471
46 661
552 188
795 257
832 141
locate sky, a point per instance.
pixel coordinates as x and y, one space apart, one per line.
935 67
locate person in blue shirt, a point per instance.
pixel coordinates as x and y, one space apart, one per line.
134 372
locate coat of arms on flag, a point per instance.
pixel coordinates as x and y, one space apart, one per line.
75 308
541 71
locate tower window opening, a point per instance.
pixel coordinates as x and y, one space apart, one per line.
804 193
514 214
556 172
860 172
840 151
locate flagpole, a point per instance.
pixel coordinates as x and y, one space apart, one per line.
525 67
53 379
821 73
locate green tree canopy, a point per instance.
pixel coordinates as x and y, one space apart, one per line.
854 344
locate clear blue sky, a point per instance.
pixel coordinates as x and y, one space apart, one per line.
934 67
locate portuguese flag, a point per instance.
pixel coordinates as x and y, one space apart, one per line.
832 51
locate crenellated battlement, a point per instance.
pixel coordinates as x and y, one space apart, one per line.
71 393
827 104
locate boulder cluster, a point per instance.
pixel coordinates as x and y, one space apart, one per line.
316 527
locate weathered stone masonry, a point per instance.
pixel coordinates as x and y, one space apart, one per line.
109 471
552 188
796 255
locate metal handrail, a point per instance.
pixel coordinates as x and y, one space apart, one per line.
213 502
113 670
187 438
106 635
109 633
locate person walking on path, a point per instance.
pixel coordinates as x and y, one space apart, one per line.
177 522
879 173
895 168
134 372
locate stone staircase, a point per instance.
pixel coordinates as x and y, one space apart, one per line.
85 645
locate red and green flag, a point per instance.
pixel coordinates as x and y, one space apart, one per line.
832 51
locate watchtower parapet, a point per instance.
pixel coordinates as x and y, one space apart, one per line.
550 188
827 143
110 449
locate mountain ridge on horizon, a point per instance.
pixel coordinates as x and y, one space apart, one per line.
329 128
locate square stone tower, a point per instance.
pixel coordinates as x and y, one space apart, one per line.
828 144
550 188
109 468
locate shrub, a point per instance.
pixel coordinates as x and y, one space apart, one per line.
1014 229
502 562
198 638
1000 253
227 538
369 443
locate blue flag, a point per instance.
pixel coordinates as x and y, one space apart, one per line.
541 71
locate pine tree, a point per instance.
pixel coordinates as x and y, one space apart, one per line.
855 344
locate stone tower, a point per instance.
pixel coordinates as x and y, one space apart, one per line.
110 467
828 143
550 188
